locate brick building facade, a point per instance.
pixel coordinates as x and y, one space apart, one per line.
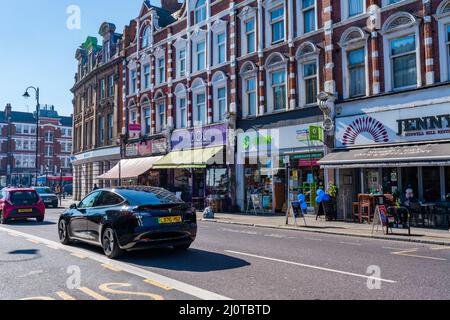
97 109
18 145
259 65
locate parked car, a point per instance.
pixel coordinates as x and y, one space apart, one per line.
48 196
18 204
126 219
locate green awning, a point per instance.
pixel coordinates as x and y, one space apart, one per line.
186 159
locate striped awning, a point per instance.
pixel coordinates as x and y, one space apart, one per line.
130 168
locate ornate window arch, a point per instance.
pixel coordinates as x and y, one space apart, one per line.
220 42
146 113
198 88
146 36
308 73
443 18
248 26
200 10
249 77
160 103
277 84
199 49
181 106
355 63
220 96
401 45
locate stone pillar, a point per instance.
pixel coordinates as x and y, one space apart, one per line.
292 82
170 97
261 74
375 63
83 180
209 99
330 85
428 41
75 182
95 173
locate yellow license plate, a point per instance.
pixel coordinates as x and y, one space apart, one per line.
25 210
168 220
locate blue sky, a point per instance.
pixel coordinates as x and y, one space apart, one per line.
38 49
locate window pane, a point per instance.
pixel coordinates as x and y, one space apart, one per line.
357 81
279 94
278 77
431 184
278 31
309 20
277 13
355 7
251 85
251 42
356 57
307 3
403 45
448 33
309 69
250 26
404 70
311 91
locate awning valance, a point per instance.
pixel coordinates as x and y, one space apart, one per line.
195 158
405 155
130 168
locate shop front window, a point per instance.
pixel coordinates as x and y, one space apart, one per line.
410 179
447 184
390 180
217 181
371 181
431 184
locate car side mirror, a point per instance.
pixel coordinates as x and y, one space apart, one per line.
73 206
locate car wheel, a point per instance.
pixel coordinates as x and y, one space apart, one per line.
183 247
63 232
110 244
40 220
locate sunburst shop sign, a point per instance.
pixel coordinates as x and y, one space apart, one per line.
427 123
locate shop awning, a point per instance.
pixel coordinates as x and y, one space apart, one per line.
130 168
405 155
185 159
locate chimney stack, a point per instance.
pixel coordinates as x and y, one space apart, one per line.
171 5
8 110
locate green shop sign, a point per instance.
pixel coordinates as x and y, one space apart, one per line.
248 142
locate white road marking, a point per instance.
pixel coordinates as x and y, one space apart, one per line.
275 236
311 266
313 239
440 248
408 253
142 273
351 243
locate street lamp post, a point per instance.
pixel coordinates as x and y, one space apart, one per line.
121 141
325 99
27 95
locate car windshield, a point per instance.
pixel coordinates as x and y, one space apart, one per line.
23 198
43 190
148 196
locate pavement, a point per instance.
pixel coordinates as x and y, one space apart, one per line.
351 229
418 235
227 261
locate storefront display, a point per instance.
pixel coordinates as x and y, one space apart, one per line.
392 151
263 155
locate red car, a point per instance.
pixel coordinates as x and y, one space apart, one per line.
18 204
